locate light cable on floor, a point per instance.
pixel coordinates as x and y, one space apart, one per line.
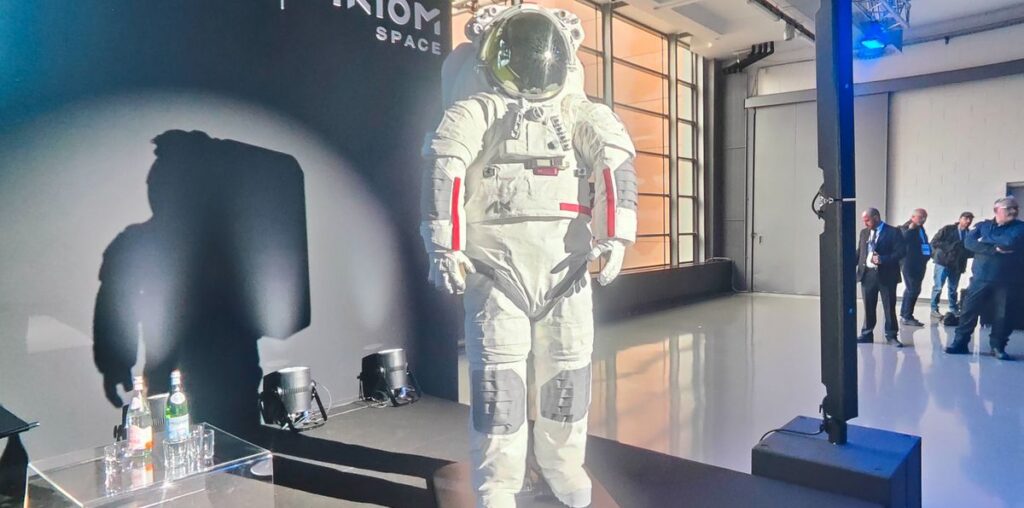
787 431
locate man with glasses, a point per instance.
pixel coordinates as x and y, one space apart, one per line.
998 273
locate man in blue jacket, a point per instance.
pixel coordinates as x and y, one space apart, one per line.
998 274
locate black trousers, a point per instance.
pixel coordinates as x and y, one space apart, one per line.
912 277
871 288
993 299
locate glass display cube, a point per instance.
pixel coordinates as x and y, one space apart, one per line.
239 473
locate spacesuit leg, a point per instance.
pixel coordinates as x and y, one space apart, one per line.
562 349
497 345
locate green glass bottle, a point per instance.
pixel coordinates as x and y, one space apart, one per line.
176 415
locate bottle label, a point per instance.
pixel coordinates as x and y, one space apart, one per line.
177 428
140 438
177 398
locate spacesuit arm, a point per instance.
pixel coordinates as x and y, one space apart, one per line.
605 146
449 151
115 337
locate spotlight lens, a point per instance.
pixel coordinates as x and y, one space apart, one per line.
872 44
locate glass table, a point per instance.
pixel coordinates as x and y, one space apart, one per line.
238 469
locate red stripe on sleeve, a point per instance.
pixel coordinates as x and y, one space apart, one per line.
456 222
609 193
573 207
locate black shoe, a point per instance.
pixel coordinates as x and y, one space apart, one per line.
865 339
1000 354
893 341
957 348
910 321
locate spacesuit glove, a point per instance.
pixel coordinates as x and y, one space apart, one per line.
616 252
448 270
110 382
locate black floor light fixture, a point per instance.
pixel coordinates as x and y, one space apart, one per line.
287 397
386 377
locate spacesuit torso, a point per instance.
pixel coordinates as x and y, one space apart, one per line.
527 167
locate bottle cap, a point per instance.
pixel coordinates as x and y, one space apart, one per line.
175 374
138 383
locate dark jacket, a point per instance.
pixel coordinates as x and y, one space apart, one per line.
948 249
890 249
914 241
991 266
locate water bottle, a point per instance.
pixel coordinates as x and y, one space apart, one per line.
178 424
139 421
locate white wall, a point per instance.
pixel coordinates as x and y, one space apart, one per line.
984 48
954 148
72 180
786 176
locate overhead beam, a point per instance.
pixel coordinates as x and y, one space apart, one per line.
676 3
993 20
990 71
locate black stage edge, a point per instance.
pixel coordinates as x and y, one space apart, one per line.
14 459
391 457
875 465
636 477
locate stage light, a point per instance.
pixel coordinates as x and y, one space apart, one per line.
872 44
386 376
287 397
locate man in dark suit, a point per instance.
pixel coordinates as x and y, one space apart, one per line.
998 275
950 258
914 264
878 269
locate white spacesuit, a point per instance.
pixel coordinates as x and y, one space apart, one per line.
510 220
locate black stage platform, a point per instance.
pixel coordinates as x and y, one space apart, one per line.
389 456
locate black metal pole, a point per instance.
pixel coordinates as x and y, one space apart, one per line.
834 47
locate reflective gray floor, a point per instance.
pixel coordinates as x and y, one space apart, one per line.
704 381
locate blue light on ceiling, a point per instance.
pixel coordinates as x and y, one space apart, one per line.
872 44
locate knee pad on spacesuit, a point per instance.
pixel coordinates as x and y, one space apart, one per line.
499 401
566 397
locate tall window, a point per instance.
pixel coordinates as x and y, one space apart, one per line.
640 98
658 101
686 157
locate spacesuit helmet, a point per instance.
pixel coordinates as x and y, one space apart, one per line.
526 54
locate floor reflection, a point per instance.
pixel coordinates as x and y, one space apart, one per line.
706 380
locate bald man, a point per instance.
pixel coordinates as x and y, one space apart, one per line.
914 264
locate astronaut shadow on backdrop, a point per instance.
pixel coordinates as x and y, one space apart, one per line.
527 182
222 262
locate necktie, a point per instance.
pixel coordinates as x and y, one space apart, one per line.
872 240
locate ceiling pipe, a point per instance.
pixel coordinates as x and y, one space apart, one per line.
757 53
779 14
